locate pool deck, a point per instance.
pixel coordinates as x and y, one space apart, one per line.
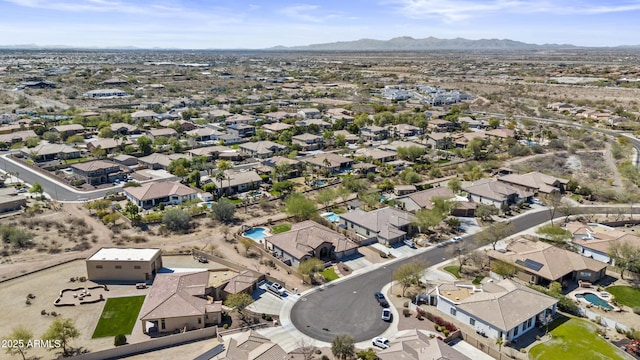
267 232
591 290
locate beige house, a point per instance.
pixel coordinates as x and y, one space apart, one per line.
542 263
535 182
152 194
415 344
250 345
596 241
424 199
124 265
179 302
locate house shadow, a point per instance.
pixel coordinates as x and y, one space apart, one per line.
534 335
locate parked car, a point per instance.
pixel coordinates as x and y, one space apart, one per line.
386 315
381 299
275 287
456 239
203 259
22 190
381 342
536 201
409 243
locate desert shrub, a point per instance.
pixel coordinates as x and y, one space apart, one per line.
119 340
406 312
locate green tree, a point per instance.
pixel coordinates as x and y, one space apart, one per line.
485 212
310 267
342 347
75 139
239 302
62 331
425 219
119 340
144 145
409 274
494 233
105 132
368 354
283 186
194 178
36 188
223 211
625 256
23 336
494 123
247 244
32 142
176 220
132 211
326 196
455 185
298 206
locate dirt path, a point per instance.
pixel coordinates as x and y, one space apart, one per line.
608 157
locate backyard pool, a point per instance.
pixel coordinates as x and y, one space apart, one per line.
256 233
331 217
595 300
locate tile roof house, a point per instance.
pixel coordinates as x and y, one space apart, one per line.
144 115
163 132
68 130
179 302
309 239
377 155
237 181
535 182
373 132
542 263
152 194
331 162
415 344
276 127
17 136
250 345
387 225
204 134
184 124
309 113
504 308
157 161
48 152
424 199
406 130
98 172
108 144
262 149
124 129
597 241
308 142
496 193
246 281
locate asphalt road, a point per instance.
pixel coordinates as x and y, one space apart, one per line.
348 307
51 187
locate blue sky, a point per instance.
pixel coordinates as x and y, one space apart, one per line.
234 24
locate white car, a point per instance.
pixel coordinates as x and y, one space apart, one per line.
386 315
381 342
277 288
456 239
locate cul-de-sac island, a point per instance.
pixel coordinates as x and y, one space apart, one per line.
317 204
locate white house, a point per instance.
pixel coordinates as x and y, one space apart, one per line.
496 309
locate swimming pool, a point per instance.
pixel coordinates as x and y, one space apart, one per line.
256 233
331 217
595 300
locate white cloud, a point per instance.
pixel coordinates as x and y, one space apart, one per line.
304 12
455 10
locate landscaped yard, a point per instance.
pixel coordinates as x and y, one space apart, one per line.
329 274
625 295
454 269
574 339
280 228
119 316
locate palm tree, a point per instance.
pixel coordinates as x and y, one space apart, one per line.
342 347
499 342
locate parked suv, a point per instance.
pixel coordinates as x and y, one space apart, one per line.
409 243
381 342
381 299
277 288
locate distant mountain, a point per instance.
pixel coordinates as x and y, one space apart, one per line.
406 43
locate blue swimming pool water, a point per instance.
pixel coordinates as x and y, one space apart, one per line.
257 233
331 217
595 300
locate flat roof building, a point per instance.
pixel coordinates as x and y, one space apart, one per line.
124 264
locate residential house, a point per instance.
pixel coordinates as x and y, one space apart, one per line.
417 344
211 152
276 127
37 84
184 124
501 133
108 144
321 124
164 132
395 145
215 114
245 282
424 199
157 161
400 190
496 309
241 130
308 142
250 345
439 125
17 136
440 140
309 113
461 140
349 138
293 166
48 152
152 194
178 302
9 199
143 115
232 137
344 115
405 131
308 239
240 119
124 129
387 225
115 81
598 241
98 172
105 94
236 182
542 263
333 163
376 155
496 193
373 133
204 134
68 130
535 182
262 149
124 265
278 116
126 160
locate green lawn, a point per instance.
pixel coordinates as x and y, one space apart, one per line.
625 295
339 210
119 316
73 161
329 274
454 269
477 280
574 338
280 228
